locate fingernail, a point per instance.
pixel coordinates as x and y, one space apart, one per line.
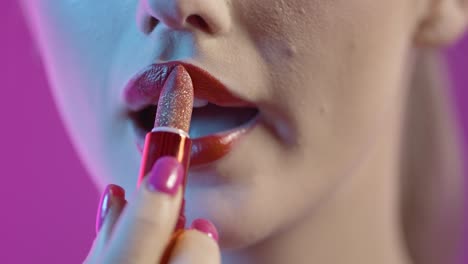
205 226
166 176
111 191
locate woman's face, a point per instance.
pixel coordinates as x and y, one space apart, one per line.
322 74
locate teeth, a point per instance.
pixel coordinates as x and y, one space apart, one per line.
199 103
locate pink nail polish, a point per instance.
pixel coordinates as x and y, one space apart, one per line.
112 191
206 227
166 176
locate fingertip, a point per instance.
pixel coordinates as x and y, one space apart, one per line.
116 191
112 194
207 227
194 246
148 221
166 176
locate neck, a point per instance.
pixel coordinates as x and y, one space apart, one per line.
360 223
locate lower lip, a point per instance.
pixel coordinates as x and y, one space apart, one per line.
210 148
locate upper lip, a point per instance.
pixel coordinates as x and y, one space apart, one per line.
144 88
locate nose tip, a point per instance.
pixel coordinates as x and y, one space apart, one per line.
209 16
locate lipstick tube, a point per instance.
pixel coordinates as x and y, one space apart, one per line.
170 137
167 141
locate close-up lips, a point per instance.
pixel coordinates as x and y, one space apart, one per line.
219 118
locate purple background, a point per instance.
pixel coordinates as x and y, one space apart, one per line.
48 202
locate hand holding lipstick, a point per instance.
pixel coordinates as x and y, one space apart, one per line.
142 232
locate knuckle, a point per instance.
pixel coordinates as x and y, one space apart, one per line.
147 223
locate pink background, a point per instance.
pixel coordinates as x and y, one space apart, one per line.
48 201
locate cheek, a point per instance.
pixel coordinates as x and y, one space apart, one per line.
76 34
77 41
334 65
71 58
335 69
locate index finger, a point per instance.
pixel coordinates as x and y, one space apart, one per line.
146 224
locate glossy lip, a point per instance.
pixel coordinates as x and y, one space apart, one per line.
145 87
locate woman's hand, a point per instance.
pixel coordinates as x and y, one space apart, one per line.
142 232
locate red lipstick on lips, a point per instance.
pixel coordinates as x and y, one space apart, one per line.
145 88
169 136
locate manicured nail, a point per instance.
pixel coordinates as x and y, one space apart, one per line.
111 192
166 176
206 227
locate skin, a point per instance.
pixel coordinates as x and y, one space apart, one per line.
132 233
320 175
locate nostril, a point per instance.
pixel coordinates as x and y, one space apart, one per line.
198 22
152 23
